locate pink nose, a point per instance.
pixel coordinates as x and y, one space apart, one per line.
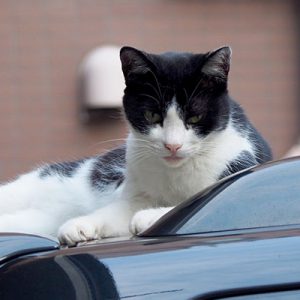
173 148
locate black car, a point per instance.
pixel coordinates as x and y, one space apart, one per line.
238 239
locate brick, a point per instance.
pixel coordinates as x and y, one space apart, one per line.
42 44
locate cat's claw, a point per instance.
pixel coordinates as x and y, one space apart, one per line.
77 230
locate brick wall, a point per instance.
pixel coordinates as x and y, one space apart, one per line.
42 43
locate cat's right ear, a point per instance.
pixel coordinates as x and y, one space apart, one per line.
217 63
134 62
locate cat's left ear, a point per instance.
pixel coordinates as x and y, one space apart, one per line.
217 63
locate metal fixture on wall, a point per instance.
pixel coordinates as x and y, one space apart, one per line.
101 83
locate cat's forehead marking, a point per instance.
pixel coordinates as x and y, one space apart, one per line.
173 127
172 115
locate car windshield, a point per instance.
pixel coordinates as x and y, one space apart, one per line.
262 197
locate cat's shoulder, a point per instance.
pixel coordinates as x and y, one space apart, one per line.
101 169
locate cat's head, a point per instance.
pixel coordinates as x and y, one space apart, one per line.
173 101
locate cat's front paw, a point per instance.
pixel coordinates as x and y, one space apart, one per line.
77 230
145 218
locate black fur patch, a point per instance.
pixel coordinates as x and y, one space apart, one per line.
65 169
245 128
153 81
109 168
243 161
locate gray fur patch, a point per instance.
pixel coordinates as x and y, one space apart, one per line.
109 169
65 169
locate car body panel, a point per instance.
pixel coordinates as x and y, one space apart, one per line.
157 268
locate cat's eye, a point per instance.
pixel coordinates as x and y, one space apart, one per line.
152 117
194 119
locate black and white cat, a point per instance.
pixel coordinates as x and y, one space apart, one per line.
185 133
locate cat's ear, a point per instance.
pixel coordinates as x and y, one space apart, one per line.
134 62
217 63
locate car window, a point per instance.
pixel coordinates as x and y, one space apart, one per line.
268 197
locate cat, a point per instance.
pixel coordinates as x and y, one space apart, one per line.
185 133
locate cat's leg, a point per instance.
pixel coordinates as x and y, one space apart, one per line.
33 221
145 218
109 221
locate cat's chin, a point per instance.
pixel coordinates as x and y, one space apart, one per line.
174 161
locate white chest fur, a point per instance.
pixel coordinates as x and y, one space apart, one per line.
166 185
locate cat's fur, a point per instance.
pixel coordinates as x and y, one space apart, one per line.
185 134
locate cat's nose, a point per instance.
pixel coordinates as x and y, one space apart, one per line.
173 148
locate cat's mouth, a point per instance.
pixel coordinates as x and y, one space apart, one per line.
173 159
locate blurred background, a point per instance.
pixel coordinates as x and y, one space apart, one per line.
42 44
